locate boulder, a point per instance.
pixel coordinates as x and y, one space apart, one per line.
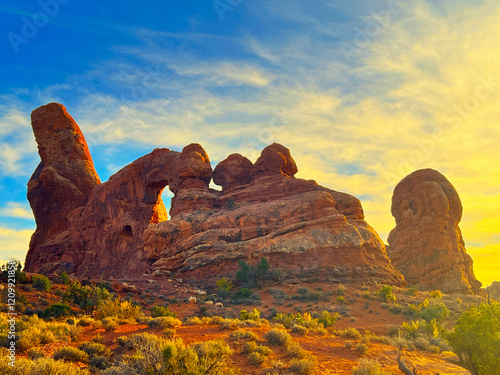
426 245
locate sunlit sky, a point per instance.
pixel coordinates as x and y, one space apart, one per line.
362 92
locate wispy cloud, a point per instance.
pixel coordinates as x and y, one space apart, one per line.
16 210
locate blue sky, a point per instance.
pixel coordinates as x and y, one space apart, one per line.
362 93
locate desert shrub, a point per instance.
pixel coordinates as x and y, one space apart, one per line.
35 353
303 366
412 290
88 297
123 341
433 309
249 347
253 315
168 333
396 309
368 367
252 276
110 323
341 290
242 335
41 283
224 286
255 358
294 350
242 294
57 310
94 349
119 309
85 321
341 300
328 319
436 294
264 350
99 362
165 322
299 329
40 366
351 333
362 348
33 331
386 293
277 337
159 310
213 357
476 338
64 278
69 353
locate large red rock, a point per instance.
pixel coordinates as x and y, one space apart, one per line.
427 245
120 228
62 181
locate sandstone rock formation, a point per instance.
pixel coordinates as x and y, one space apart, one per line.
120 228
427 245
493 291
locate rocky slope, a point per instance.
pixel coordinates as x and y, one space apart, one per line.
120 228
427 245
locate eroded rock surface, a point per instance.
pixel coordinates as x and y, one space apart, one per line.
120 228
427 245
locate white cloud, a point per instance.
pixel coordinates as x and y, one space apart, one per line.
14 243
16 210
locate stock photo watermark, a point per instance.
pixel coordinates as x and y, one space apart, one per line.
32 25
11 314
223 6
372 28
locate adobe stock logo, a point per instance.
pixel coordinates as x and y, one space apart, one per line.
31 26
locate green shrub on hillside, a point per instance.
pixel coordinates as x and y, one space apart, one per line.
41 283
159 310
69 353
57 310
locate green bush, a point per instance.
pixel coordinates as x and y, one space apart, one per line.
88 297
242 294
64 278
69 353
386 293
41 283
277 337
476 339
341 300
57 310
328 319
158 311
